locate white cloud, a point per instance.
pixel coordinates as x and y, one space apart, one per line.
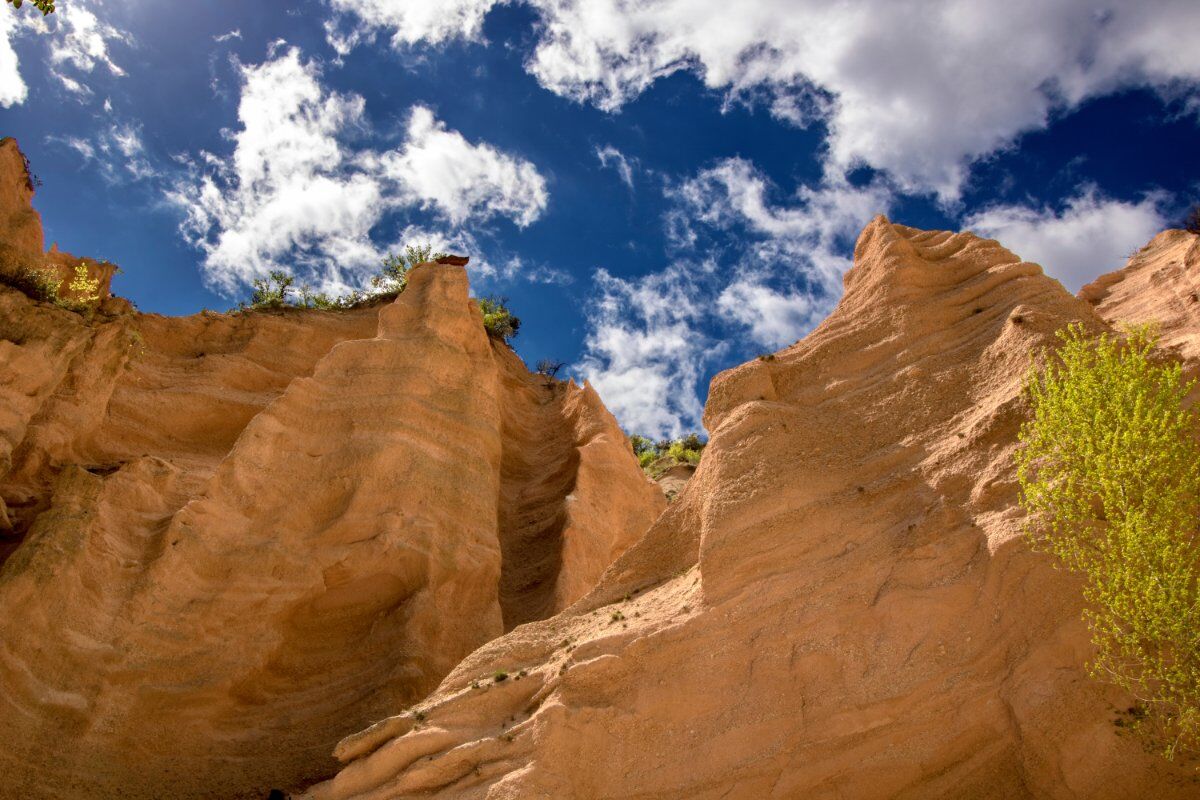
645 350
13 90
439 167
1091 235
774 318
772 270
410 22
297 195
77 39
225 37
813 229
117 152
83 40
919 88
291 193
612 157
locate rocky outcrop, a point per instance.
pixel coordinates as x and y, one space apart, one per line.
234 539
22 242
1160 285
840 604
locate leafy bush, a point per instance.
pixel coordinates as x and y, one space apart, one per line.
272 291
1109 478
39 284
44 6
498 321
278 289
87 289
394 276
657 457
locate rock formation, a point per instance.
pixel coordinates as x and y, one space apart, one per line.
365 554
22 242
840 604
229 540
1160 285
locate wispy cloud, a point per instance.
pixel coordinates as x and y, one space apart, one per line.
754 269
117 151
613 158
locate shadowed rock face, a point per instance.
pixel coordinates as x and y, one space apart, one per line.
231 540
839 605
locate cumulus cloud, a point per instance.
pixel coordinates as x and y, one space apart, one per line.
297 195
439 167
613 158
919 88
1089 236
408 22
774 318
13 90
771 271
646 350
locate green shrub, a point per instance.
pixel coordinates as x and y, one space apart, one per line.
498 321
87 288
1109 477
272 291
657 457
394 276
38 284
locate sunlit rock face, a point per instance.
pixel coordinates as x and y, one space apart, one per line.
230 540
840 603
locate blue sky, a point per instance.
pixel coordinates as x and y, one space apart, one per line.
662 188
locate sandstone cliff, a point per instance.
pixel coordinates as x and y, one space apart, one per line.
229 540
839 605
22 242
1160 285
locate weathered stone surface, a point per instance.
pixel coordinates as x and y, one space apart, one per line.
1159 285
237 538
839 605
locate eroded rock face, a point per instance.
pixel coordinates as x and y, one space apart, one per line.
22 241
1159 285
234 539
840 604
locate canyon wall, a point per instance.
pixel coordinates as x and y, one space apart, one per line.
229 540
840 604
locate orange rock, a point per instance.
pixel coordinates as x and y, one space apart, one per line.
839 605
1160 285
238 538
21 238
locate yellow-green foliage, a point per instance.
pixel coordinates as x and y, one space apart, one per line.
498 320
1110 476
657 457
86 289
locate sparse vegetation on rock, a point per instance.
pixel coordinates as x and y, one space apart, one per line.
498 320
657 457
1109 477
